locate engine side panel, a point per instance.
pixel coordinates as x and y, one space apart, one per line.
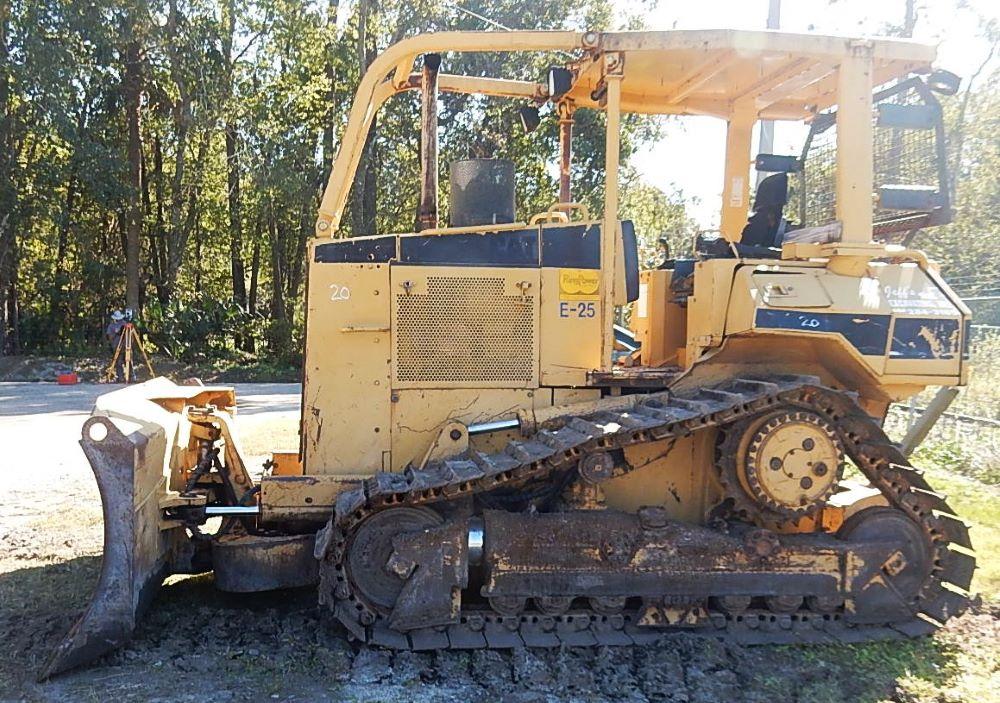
346 389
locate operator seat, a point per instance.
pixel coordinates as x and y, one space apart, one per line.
761 238
765 229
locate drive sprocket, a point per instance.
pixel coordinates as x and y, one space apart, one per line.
780 465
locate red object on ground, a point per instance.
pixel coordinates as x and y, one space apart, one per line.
67 379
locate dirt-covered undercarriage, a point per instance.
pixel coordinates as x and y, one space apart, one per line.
516 548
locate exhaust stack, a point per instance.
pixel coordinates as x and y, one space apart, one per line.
427 212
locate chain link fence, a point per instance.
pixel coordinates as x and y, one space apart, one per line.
966 439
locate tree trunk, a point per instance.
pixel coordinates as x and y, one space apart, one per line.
4 278
364 195
235 218
331 77
957 136
370 198
7 196
62 247
910 18
254 270
182 232
7 273
132 89
295 264
276 331
152 233
57 298
197 258
13 308
235 204
158 235
177 230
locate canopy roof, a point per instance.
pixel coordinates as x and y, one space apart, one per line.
731 74
788 76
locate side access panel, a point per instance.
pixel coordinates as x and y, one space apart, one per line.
660 324
829 311
345 414
708 306
464 327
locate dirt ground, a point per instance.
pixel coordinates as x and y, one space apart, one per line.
93 369
199 645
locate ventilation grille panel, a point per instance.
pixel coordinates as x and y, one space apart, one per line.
465 330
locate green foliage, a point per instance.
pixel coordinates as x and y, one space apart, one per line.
967 248
657 215
243 102
246 92
197 330
948 455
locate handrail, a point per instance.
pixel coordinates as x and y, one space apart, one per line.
570 207
548 216
901 253
470 229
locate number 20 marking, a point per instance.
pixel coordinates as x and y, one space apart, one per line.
578 310
339 292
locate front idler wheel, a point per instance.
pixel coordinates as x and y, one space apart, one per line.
369 554
911 569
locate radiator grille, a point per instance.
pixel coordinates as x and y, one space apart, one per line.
465 330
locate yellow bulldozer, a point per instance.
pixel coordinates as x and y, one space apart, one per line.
488 460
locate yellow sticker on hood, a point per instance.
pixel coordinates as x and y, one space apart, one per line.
579 284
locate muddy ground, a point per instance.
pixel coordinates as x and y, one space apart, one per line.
199 645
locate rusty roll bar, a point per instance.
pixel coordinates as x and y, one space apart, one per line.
565 150
427 212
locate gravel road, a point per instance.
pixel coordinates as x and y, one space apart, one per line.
40 427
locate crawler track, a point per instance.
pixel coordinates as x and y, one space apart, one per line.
658 416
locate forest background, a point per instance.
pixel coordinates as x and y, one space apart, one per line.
169 155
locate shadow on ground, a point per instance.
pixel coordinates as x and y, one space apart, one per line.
38 605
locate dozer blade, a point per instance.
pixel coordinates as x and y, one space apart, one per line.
133 439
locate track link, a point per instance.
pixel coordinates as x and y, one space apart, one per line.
658 416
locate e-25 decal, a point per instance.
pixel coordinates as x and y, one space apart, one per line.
578 309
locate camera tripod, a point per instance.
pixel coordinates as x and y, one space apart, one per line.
128 340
